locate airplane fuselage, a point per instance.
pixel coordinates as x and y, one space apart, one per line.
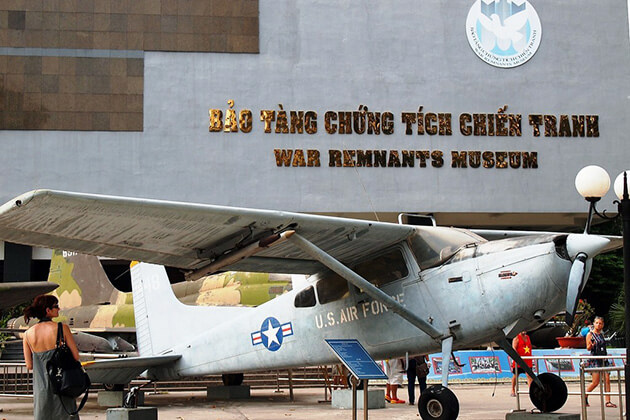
478 296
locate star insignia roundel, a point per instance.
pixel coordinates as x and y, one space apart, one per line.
271 334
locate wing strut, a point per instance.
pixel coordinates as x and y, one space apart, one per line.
372 291
507 347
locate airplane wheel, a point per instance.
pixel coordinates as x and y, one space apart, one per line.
552 397
232 379
438 403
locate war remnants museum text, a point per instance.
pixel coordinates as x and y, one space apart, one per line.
363 121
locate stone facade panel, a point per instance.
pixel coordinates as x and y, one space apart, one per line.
83 24
71 93
64 92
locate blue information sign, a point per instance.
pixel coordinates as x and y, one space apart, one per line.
356 358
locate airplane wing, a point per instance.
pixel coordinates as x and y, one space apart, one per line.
104 330
123 370
616 242
185 235
14 293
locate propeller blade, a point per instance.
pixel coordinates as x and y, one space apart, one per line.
589 265
576 281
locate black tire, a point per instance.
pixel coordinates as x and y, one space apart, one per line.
438 403
114 387
552 397
232 379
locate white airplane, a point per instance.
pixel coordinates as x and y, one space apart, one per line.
395 288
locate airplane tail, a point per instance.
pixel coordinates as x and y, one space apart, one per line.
82 280
162 321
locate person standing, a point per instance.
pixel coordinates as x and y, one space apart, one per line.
417 368
523 346
596 344
394 371
39 344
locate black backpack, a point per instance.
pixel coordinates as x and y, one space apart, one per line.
66 374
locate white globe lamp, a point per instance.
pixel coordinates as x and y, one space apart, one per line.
592 182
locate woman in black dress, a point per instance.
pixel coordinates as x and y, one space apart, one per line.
39 344
596 343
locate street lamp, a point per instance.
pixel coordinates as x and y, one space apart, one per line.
593 182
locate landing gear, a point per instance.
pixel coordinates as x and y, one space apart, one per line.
438 403
547 391
232 379
551 396
114 387
131 399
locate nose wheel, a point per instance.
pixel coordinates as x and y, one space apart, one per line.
438 403
552 396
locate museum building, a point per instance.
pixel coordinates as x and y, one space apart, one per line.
476 112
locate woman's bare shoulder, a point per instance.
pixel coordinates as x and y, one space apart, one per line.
33 329
41 337
43 328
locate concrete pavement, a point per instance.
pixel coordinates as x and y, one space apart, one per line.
479 402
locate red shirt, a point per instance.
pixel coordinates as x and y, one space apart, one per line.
523 348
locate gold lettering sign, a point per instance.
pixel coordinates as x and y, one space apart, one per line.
421 123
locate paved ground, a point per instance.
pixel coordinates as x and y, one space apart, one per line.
479 402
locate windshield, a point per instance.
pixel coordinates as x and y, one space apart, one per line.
509 243
434 245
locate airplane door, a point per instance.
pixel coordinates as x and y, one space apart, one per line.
384 325
391 272
427 301
451 297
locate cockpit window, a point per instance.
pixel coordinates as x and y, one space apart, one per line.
332 287
383 269
379 271
506 244
305 298
434 245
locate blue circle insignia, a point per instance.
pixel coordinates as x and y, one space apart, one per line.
271 334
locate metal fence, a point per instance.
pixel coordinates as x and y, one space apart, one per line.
616 372
16 380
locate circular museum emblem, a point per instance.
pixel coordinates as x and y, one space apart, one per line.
503 33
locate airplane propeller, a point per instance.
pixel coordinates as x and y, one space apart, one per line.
575 286
581 248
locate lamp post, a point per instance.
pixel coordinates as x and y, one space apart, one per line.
593 182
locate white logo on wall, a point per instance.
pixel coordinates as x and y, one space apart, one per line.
503 33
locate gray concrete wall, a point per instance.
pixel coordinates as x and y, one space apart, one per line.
334 56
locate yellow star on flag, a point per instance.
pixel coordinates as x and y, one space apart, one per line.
527 349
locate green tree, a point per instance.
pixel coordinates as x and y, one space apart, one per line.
9 313
617 314
605 285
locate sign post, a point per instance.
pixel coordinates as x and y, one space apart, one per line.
360 364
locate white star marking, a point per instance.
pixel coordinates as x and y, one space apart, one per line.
271 333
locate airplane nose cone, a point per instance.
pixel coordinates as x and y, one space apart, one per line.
591 245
